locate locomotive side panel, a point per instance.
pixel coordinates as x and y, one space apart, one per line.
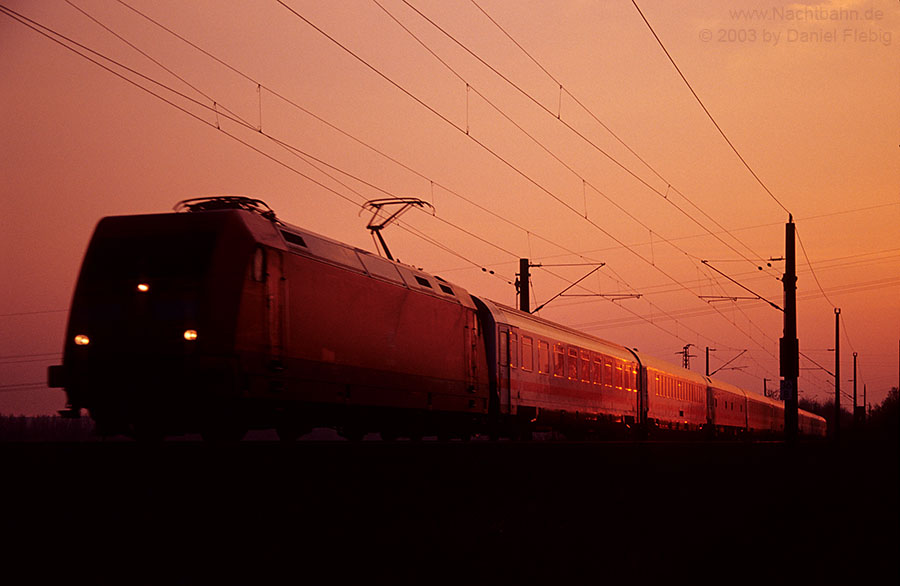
356 340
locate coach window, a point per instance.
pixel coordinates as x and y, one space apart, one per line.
543 357
573 364
608 374
619 375
513 349
585 366
527 353
598 370
559 360
259 265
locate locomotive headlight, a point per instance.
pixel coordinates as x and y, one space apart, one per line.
143 287
82 340
190 335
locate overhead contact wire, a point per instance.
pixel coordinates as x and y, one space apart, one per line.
705 109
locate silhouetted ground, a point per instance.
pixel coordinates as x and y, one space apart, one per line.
462 513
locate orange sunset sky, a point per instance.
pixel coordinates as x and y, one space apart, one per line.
556 131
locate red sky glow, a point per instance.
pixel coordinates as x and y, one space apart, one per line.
556 131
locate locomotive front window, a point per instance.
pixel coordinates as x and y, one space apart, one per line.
178 254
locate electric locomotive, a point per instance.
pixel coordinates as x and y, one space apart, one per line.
224 318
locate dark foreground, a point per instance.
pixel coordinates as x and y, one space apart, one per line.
480 512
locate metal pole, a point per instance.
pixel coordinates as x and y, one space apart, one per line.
384 247
790 345
524 291
837 372
865 412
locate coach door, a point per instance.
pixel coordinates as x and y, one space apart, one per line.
470 350
275 304
506 358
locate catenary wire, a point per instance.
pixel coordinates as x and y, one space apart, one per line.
578 133
705 109
264 153
470 87
494 153
37 27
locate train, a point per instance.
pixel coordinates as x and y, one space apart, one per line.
219 317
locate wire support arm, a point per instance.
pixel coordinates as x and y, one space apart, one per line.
594 270
754 293
729 362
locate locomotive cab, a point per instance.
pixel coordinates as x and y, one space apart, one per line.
150 339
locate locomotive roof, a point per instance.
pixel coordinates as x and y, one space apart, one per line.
262 222
302 241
